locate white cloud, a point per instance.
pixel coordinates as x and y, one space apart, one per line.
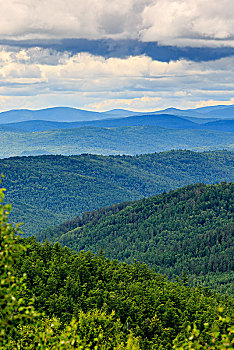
173 22
189 22
71 18
37 78
146 103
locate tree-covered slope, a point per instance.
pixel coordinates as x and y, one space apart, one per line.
53 298
47 190
67 285
189 230
122 140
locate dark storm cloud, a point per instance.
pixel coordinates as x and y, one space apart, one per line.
125 48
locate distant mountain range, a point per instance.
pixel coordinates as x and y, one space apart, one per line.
67 114
64 130
162 120
219 111
60 114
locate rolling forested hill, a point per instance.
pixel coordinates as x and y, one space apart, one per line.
121 140
52 297
186 231
47 190
85 301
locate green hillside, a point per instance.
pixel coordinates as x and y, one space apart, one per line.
89 302
53 298
121 140
184 232
47 190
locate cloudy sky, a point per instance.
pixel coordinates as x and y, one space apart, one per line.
104 54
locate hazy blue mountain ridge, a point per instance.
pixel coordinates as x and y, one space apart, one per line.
50 114
68 114
163 120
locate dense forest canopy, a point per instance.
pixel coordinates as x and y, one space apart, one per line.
46 190
53 298
130 140
186 231
157 311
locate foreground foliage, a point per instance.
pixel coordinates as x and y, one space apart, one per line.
24 328
65 285
84 301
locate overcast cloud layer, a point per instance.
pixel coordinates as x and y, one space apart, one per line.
136 54
32 78
174 22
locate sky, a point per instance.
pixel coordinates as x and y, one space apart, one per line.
141 55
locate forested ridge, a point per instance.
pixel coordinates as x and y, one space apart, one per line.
63 283
130 140
46 190
53 298
188 231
